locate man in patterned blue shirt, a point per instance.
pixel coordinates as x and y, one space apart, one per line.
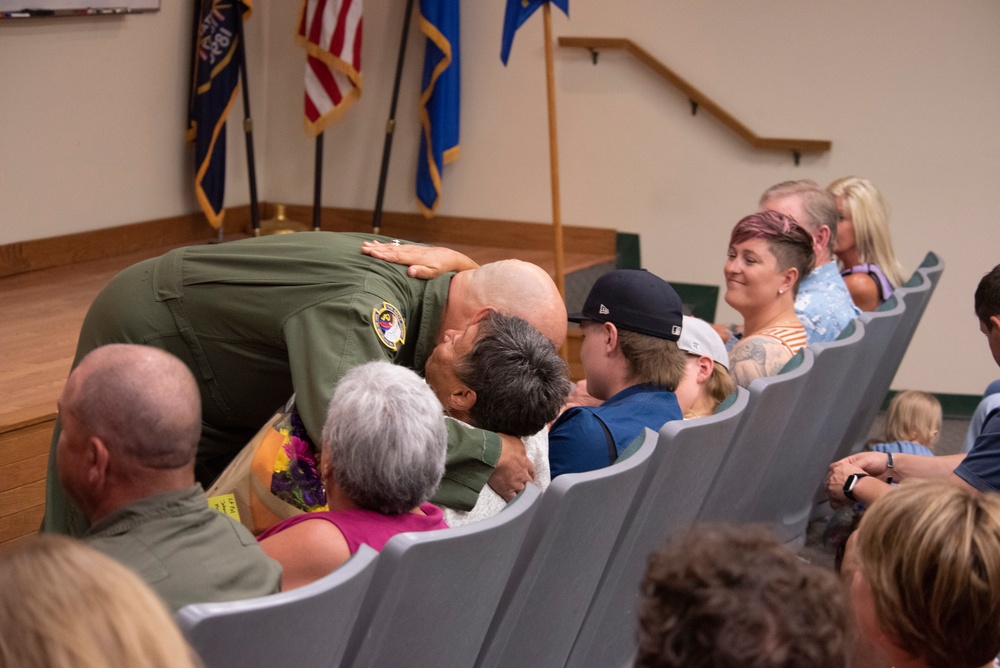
823 303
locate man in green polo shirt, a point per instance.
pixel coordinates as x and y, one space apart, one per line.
258 319
131 474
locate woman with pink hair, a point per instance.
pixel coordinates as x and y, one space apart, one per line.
769 253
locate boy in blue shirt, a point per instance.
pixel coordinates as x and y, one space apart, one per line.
631 321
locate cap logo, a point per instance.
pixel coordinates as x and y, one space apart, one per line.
389 325
603 310
675 330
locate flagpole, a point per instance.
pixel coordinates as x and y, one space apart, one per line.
318 183
192 93
247 128
194 61
550 81
390 125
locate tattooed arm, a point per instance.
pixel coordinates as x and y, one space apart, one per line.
757 357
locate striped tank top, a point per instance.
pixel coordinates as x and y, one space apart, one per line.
792 337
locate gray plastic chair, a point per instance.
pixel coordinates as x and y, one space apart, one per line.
308 626
687 457
815 430
914 296
880 328
932 267
737 493
434 593
564 554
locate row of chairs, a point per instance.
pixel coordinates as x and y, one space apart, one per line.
554 579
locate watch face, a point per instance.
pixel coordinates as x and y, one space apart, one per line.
849 484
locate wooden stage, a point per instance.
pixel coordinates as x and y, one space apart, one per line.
42 313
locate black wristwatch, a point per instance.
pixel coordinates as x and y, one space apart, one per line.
849 484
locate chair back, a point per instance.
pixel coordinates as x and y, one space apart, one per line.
564 554
870 384
815 430
687 457
930 271
308 626
433 593
736 494
914 296
931 268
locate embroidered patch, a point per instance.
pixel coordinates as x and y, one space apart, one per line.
389 325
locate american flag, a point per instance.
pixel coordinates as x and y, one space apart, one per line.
330 31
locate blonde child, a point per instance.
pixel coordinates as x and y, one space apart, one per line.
913 424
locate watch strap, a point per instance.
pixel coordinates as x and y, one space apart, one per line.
849 484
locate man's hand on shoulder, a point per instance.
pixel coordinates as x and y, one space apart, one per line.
514 469
424 262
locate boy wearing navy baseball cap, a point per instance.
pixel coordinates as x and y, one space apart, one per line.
631 321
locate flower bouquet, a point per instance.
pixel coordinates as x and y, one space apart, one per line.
295 476
275 476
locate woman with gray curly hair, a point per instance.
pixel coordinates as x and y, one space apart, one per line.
383 456
503 375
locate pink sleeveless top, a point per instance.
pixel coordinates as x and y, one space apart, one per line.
367 526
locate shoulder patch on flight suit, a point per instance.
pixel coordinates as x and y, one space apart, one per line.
389 325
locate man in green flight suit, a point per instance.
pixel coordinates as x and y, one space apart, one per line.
258 319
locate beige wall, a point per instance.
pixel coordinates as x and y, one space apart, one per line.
93 113
90 120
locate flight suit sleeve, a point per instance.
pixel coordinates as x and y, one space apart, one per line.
324 342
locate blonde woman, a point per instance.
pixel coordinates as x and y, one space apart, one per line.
926 581
66 605
864 247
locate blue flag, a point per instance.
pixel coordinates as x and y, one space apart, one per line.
439 99
214 82
519 11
